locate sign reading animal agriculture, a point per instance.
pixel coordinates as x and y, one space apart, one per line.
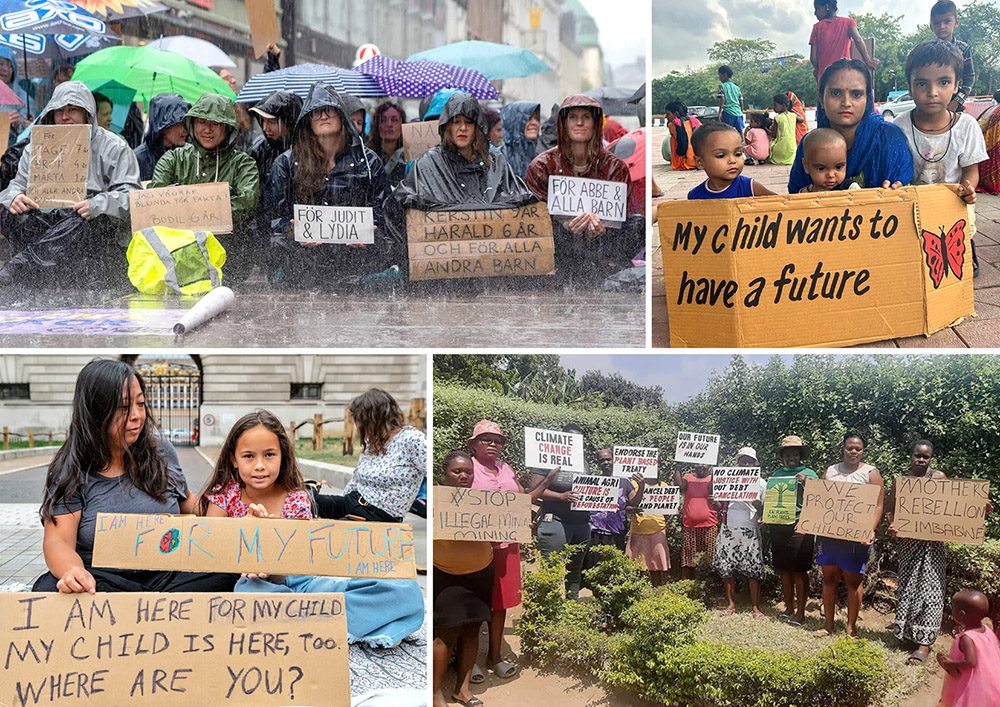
334 224
941 509
661 500
548 449
486 243
198 207
270 545
636 460
596 493
838 509
174 650
481 514
60 160
825 269
697 448
572 196
736 483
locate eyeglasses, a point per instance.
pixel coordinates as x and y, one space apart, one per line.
493 442
324 112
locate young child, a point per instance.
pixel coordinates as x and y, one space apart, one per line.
973 665
831 38
944 20
756 147
718 151
782 130
730 99
824 158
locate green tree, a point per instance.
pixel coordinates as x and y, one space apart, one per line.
616 390
742 54
978 26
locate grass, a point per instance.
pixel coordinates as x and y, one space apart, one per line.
40 441
331 454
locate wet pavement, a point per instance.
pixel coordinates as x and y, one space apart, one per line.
981 331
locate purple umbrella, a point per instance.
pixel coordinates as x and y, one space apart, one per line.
417 79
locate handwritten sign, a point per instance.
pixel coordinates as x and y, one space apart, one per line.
941 509
263 21
838 509
197 207
60 160
779 500
572 196
334 224
269 545
419 137
596 493
184 650
661 500
696 448
857 266
487 243
736 483
4 134
481 514
547 449
636 460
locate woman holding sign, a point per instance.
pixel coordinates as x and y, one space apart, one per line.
845 558
699 519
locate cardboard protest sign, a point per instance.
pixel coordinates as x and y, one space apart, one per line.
4 134
696 448
779 501
419 137
60 160
838 509
548 449
270 545
263 22
953 510
736 483
661 500
596 493
175 650
197 207
481 514
828 269
485 243
572 196
636 460
334 224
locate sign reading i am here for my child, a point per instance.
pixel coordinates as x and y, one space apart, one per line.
828 269
697 448
636 460
481 514
548 449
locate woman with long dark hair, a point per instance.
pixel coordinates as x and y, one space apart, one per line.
386 140
113 461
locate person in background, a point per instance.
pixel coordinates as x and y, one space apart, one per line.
699 520
520 134
494 125
756 146
831 40
944 20
681 128
782 131
386 140
18 113
611 527
356 109
276 114
104 107
244 126
730 99
166 131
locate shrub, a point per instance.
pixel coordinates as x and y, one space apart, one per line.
542 598
976 567
660 621
618 582
575 641
849 674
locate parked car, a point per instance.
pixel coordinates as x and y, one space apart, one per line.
706 114
180 433
897 106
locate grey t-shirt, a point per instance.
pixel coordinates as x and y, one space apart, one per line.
99 494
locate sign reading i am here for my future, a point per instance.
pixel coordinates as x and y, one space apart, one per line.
661 500
596 493
953 510
736 483
269 545
838 509
419 137
572 196
779 501
636 460
334 224
486 243
175 650
548 449
60 160
481 514
696 448
827 269
198 207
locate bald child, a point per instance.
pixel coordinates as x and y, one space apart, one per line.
824 158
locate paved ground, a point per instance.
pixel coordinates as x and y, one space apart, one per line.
982 331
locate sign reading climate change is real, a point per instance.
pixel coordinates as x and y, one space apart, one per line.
829 269
548 449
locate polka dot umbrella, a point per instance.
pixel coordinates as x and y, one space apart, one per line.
416 79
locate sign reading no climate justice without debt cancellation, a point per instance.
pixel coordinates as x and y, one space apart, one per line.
636 460
548 449
953 510
697 448
736 483
481 514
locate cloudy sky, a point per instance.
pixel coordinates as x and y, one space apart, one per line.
682 31
622 34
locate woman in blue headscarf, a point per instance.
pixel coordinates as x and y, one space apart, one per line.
521 121
877 154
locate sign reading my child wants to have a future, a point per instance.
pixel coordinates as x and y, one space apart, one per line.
636 460
953 510
484 243
736 483
697 448
60 160
334 224
548 449
779 500
661 500
175 650
481 514
838 509
572 196
596 493
829 269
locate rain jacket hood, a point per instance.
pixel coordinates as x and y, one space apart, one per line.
70 93
352 104
466 105
580 101
285 106
165 110
323 95
517 148
437 103
15 85
218 109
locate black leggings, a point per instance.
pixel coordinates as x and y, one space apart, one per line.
148 581
338 507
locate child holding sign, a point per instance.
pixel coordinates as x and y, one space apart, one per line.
699 520
973 665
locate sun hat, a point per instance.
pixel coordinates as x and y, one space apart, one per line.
486 427
748 452
792 441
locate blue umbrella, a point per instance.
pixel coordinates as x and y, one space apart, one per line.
416 79
48 17
494 61
300 78
58 47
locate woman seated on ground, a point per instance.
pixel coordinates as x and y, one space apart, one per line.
386 141
521 123
327 165
989 170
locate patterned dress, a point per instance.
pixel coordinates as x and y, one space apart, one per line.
229 499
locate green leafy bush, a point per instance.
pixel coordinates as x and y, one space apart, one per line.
542 599
575 641
618 582
848 674
976 567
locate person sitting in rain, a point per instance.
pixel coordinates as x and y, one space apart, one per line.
166 131
276 114
521 124
211 156
59 246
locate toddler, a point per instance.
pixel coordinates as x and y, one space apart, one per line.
718 151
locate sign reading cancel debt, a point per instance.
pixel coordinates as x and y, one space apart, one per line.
334 224
484 243
838 509
572 196
829 269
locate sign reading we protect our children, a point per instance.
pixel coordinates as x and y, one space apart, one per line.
826 269
697 448
548 449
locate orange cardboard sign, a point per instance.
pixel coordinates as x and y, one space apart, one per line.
263 25
838 509
60 161
481 514
953 510
419 137
198 207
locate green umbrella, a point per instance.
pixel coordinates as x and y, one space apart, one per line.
149 72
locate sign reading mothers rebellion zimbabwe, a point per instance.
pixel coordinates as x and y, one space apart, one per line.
175 650
736 483
697 448
661 500
481 514
486 243
838 509
827 269
596 493
548 449
636 460
941 509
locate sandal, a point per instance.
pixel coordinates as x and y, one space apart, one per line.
728 612
917 657
759 615
795 622
477 676
821 633
474 702
504 669
783 617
